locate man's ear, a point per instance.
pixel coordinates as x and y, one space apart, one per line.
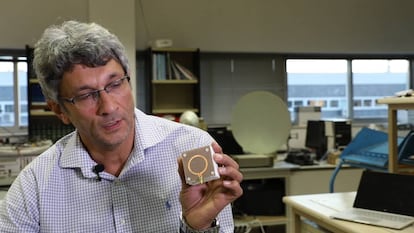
60 113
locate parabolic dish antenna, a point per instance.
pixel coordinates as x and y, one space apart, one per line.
260 122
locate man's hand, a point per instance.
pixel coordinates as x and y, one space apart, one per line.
202 203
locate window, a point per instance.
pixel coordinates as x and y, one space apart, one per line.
13 97
316 83
9 108
346 88
374 79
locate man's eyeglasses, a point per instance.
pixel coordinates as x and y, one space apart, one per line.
91 98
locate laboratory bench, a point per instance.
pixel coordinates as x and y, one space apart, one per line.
13 158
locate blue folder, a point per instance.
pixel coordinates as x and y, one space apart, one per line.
369 149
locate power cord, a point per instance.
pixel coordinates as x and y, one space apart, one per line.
258 222
247 226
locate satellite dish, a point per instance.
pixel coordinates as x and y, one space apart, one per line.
260 122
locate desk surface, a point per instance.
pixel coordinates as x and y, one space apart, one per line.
318 208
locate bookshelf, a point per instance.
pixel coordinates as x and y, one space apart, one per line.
173 81
43 124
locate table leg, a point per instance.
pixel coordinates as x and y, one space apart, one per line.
294 221
392 140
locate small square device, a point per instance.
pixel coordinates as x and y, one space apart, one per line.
199 166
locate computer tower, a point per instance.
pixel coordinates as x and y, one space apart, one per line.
343 133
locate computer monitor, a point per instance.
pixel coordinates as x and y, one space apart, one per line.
225 138
315 137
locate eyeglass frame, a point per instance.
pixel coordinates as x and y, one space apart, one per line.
95 94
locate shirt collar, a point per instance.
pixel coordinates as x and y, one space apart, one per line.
74 155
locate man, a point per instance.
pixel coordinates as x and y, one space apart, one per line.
117 172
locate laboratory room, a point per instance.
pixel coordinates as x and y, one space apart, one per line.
236 116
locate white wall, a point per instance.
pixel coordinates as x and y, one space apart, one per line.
352 26
283 25
23 21
120 20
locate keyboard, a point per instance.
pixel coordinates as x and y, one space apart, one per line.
377 216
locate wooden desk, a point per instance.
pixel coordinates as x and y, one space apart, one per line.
394 104
318 208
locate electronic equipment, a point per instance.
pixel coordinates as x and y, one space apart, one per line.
315 137
261 197
253 160
305 113
300 157
98 168
341 133
380 194
224 137
261 125
327 135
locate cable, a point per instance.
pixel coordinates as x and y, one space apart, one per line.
333 176
258 222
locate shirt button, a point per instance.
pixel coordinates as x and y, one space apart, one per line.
123 221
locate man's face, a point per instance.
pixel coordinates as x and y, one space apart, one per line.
107 121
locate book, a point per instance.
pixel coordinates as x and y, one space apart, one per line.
169 67
161 67
154 66
175 72
186 73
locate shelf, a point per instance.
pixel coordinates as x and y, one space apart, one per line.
174 111
39 104
42 122
40 112
37 108
172 82
179 50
